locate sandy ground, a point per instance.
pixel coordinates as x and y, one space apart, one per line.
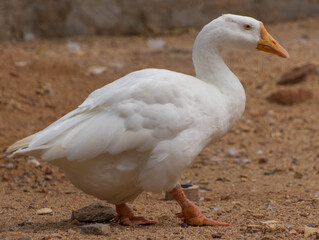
273 175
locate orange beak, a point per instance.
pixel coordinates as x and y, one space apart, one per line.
268 44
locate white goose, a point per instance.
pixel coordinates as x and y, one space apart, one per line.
140 132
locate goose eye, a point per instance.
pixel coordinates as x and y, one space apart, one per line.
247 26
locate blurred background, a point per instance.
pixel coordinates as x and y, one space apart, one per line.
23 19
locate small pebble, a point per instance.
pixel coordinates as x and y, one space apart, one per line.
48 177
156 43
34 162
96 229
293 232
242 161
117 65
232 152
28 37
44 211
245 160
217 235
289 96
216 160
273 226
184 225
10 166
48 90
96 70
259 152
73 47
237 205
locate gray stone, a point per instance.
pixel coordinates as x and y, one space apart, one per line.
94 213
96 229
30 19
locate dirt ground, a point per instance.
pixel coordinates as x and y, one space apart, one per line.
266 168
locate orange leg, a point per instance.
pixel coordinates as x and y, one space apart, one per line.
126 216
191 214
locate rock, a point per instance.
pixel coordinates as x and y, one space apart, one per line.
73 47
243 177
237 205
245 161
48 177
48 90
34 162
253 228
156 43
117 65
222 179
310 231
5 177
184 225
304 214
297 74
44 211
10 166
293 232
48 171
191 192
96 229
96 70
259 152
217 235
290 96
266 226
28 37
24 238
94 213
273 226
232 152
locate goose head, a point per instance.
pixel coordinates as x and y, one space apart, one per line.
239 32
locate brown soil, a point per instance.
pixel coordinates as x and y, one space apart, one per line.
275 172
